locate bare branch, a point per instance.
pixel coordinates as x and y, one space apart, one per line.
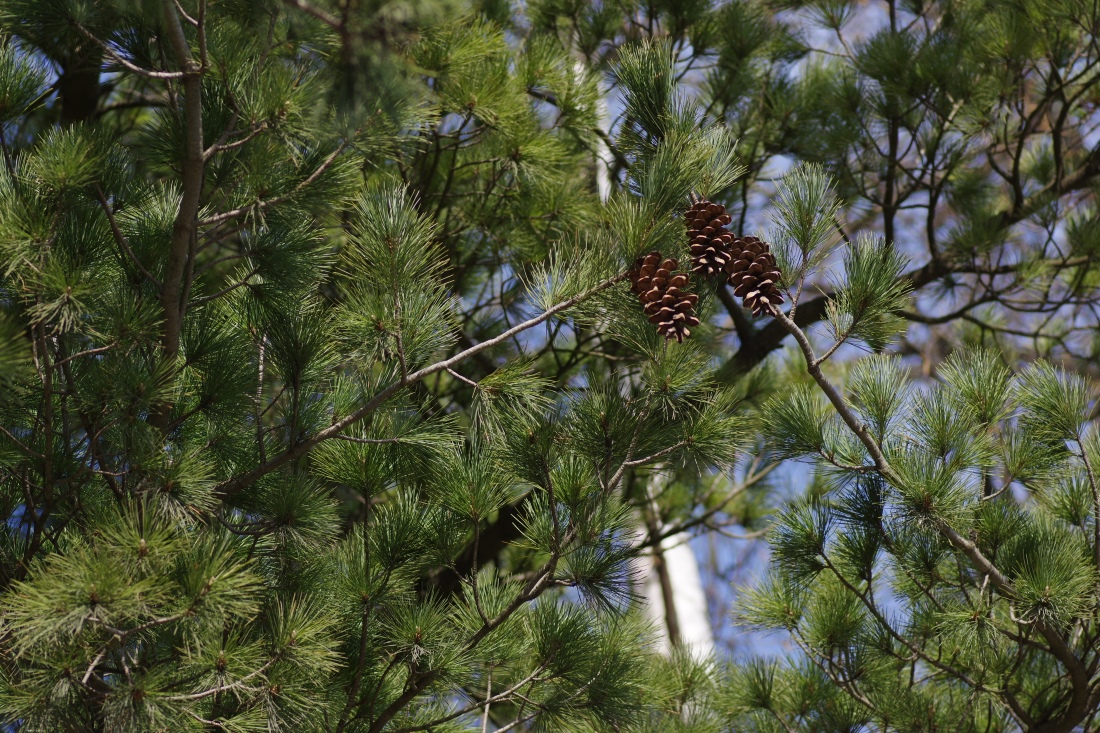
129 66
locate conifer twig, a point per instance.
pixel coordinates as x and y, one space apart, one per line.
655 456
461 378
315 12
21 445
489 700
813 366
261 205
618 475
221 146
224 688
120 238
129 66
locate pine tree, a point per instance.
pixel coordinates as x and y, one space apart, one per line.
279 358
325 402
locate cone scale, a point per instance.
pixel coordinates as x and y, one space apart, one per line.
708 237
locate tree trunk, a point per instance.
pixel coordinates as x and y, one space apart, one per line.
78 86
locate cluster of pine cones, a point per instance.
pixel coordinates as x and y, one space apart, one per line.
746 262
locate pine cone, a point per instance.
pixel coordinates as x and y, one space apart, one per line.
710 240
754 274
662 292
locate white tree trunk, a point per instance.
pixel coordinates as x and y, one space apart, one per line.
603 154
689 602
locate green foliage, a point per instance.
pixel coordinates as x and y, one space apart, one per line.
804 221
798 422
324 405
23 83
275 454
1056 402
950 542
877 386
869 297
979 382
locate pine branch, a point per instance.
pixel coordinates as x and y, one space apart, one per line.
844 684
262 205
769 338
655 456
620 158
129 66
1081 691
21 445
357 680
233 486
912 646
369 441
192 697
612 483
813 367
183 14
222 146
86 352
489 700
313 11
534 588
228 288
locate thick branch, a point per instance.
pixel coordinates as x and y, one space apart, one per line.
185 226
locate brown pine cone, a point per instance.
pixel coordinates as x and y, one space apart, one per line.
710 240
663 294
754 274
